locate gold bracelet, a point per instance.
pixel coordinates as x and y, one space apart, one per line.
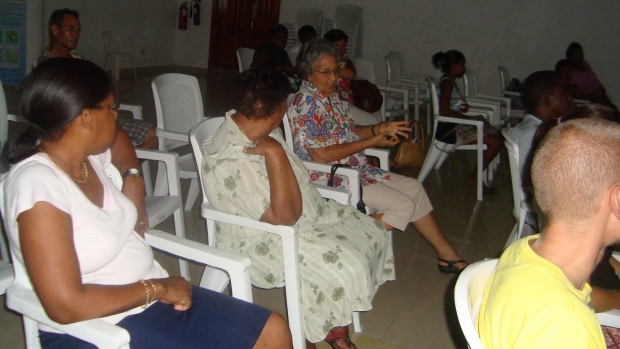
148 294
372 129
154 290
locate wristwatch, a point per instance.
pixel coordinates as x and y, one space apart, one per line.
132 171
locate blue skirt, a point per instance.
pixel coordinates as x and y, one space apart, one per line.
214 321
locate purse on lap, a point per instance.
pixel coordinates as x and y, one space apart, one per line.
412 151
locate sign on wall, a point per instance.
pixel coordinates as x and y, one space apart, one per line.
12 41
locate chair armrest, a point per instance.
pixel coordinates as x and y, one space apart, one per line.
513 93
135 109
96 331
476 123
17 118
351 173
382 154
338 195
609 318
409 84
209 212
237 267
408 76
172 168
581 101
175 136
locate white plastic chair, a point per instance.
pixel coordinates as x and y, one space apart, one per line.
504 78
178 105
395 100
202 135
419 90
310 16
22 299
113 46
521 206
499 105
245 56
610 318
468 293
438 151
349 18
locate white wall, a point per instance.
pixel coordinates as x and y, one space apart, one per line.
192 45
523 35
147 24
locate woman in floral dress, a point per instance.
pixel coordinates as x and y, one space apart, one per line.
249 171
323 131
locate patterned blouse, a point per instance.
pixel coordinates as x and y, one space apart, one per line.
317 121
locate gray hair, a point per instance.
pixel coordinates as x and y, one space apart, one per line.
310 54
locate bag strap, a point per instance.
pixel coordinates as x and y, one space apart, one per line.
330 183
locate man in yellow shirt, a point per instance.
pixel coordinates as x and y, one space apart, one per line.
538 296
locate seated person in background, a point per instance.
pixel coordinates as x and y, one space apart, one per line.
538 295
64 28
249 171
323 131
564 70
348 73
452 104
272 55
584 83
544 97
74 230
304 34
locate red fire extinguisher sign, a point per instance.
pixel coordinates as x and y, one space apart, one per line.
183 16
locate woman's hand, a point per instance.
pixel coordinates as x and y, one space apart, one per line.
174 290
384 139
393 129
464 106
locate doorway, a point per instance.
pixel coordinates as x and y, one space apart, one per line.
239 23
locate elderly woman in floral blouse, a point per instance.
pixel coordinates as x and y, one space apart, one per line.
249 171
323 131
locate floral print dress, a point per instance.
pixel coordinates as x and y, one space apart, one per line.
344 255
318 120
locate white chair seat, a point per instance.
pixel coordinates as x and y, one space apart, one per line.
161 207
187 166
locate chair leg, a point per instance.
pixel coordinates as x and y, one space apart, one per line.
161 182
31 332
148 181
192 194
179 229
429 162
290 249
513 236
357 323
443 156
428 119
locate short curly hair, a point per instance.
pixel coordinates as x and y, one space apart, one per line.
258 92
310 54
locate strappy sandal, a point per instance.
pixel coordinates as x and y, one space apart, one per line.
450 268
333 337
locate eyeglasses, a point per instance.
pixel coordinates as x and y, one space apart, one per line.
114 106
327 73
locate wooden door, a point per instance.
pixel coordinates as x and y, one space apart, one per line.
239 23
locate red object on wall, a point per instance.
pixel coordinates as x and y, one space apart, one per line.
183 16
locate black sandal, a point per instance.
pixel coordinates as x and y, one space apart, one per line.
450 268
333 337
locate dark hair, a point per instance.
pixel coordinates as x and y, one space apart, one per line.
336 35
536 86
310 54
306 33
445 60
561 64
54 94
586 111
573 47
58 15
276 29
258 92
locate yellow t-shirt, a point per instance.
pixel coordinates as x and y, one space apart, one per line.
529 303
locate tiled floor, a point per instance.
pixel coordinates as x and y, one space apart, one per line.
416 310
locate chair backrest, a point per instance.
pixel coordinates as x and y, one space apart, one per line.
504 78
244 58
201 135
346 17
470 84
365 69
293 53
515 171
288 135
392 68
400 60
434 97
21 276
310 16
112 42
468 297
4 118
178 105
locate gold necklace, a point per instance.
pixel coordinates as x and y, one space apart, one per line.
65 172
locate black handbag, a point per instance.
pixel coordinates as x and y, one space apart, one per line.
330 183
